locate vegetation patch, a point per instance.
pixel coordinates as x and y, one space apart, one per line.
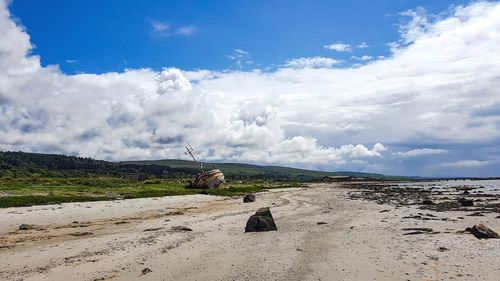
17 192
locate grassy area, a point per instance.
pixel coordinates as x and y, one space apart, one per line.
16 192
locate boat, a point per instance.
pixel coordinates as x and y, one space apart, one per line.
205 179
209 179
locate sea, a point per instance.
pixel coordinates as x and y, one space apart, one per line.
488 186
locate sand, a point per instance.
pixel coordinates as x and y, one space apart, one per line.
134 240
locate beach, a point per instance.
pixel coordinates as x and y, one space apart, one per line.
326 231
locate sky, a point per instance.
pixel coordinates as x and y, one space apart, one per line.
393 87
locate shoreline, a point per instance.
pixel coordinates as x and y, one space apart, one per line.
135 240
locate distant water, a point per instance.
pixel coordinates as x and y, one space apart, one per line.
480 186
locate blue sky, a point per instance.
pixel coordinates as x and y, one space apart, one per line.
102 36
394 87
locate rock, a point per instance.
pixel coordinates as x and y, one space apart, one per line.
261 221
153 229
26 226
443 249
321 222
146 271
412 217
425 229
84 233
417 230
482 232
249 198
466 202
427 201
181 228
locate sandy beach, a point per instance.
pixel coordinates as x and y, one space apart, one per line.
137 240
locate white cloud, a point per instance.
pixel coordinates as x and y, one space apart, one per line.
363 45
163 29
312 62
71 61
429 92
241 52
339 47
467 164
186 30
171 80
159 26
240 58
362 58
421 152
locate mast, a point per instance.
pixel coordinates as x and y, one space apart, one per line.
189 151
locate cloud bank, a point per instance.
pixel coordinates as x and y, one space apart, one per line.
432 91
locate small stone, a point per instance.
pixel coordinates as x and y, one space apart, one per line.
443 249
466 202
476 214
146 271
181 228
153 229
26 226
480 231
427 201
249 198
79 234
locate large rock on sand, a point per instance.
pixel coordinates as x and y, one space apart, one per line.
249 198
261 221
482 232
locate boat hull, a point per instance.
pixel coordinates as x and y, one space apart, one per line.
209 180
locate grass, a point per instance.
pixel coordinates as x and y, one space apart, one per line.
31 191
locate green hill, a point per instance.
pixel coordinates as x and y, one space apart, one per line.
249 171
21 164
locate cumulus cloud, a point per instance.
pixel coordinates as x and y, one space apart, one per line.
439 87
170 80
421 152
339 47
312 62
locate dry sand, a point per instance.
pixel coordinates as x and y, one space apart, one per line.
120 240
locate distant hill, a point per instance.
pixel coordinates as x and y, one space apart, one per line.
22 164
242 171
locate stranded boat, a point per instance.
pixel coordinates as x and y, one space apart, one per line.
209 179
204 180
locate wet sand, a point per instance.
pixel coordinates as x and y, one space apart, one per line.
134 240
